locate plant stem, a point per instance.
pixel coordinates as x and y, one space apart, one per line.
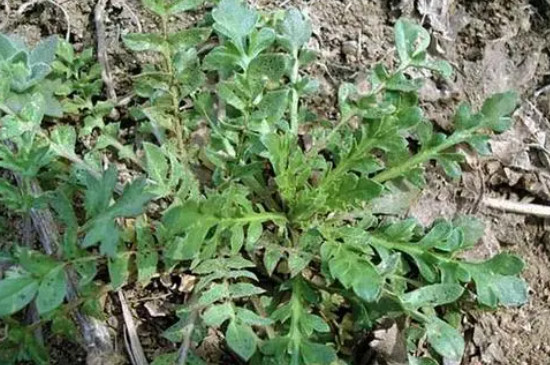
150 73
71 157
363 148
257 217
261 311
422 157
296 312
346 118
131 156
72 305
187 334
178 123
408 248
325 141
294 100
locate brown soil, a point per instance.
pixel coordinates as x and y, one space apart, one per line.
494 45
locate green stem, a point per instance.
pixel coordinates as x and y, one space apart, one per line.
416 315
242 136
294 100
346 118
150 73
178 123
71 306
164 23
71 157
130 154
363 148
426 155
325 141
84 259
257 217
408 248
295 334
343 167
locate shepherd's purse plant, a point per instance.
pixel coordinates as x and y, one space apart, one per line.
291 226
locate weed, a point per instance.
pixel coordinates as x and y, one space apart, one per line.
286 238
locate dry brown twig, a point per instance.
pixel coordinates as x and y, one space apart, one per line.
134 16
183 352
131 339
32 315
537 210
480 194
31 3
348 5
359 44
95 334
542 90
7 10
102 57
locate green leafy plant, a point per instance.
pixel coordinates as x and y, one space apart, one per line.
286 239
24 72
80 87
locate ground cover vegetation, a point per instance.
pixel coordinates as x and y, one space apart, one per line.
287 221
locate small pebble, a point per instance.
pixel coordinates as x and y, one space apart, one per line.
349 48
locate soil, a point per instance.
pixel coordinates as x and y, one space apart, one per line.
493 45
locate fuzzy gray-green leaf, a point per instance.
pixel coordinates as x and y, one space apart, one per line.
273 106
497 110
317 354
64 136
260 40
240 290
432 295
147 256
7 48
246 316
445 339
269 65
185 39
234 19
119 270
44 52
140 42
216 314
241 339
411 40
237 238
156 6
294 30
179 6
